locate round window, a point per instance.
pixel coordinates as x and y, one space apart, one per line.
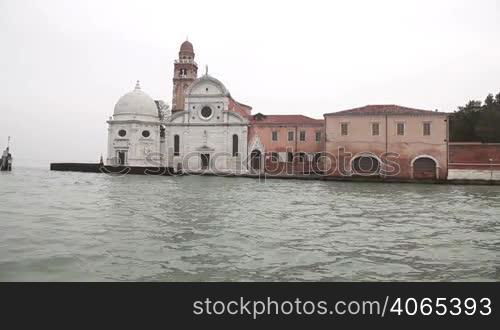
206 112
122 132
145 134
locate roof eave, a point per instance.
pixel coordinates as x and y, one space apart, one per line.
430 113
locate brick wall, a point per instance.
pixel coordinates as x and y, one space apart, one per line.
474 156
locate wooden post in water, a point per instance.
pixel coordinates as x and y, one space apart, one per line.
6 160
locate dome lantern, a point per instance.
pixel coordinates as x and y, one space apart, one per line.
187 47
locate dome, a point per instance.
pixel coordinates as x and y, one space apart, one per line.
136 102
187 47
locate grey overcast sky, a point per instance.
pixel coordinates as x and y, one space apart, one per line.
65 63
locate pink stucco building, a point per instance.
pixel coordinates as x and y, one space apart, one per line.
388 141
290 144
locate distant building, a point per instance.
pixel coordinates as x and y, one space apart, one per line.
290 143
207 129
207 134
134 131
387 141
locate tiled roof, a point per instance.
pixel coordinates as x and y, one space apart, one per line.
284 119
187 47
383 109
239 103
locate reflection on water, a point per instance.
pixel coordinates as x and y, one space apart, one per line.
82 226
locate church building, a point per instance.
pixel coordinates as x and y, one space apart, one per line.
206 129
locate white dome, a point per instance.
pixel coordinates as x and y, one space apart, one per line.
136 102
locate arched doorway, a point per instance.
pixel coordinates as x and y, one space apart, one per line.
255 160
365 165
424 168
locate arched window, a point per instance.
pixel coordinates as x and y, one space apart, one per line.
365 165
235 145
176 145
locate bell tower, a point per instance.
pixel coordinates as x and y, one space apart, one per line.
185 72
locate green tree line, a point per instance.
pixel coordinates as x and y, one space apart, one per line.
477 121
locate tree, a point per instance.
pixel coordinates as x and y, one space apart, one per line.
489 101
462 123
477 122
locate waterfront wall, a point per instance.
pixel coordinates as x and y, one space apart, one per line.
474 155
119 170
474 161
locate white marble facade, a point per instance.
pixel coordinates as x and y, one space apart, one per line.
134 131
206 135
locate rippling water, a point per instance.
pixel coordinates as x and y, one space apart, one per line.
63 226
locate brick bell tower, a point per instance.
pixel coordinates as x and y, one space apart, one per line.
185 72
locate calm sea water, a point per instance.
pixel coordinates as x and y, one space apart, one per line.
63 226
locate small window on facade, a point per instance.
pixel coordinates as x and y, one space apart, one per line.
289 157
145 134
206 89
235 145
427 128
275 136
318 136
401 129
375 129
301 157
343 129
122 132
275 157
290 136
176 145
302 135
